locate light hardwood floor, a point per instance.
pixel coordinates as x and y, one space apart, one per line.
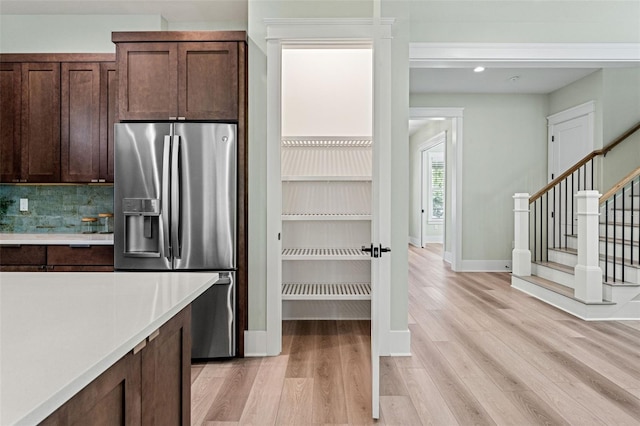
482 353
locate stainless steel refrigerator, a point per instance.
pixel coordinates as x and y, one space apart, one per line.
175 210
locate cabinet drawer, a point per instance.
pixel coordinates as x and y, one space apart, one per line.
23 255
70 255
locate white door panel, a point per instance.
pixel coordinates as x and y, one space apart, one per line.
571 143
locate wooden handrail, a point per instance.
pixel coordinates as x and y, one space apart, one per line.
560 178
620 138
584 161
628 178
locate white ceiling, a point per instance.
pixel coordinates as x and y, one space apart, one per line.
493 80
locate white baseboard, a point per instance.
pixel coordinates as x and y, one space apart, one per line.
448 257
400 343
435 239
255 343
485 266
430 240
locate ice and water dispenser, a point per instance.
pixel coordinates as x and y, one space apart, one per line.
142 227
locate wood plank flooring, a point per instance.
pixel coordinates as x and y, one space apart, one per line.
482 353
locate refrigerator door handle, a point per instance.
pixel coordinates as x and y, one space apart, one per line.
164 202
231 316
175 197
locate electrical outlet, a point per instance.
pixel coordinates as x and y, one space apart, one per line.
24 204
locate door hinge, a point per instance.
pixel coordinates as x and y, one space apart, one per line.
552 175
553 138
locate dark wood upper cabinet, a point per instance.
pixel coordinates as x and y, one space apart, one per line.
57 112
80 142
169 75
40 136
208 80
148 76
108 117
10 109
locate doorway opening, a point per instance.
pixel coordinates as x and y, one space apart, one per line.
433 190
326 174
430 128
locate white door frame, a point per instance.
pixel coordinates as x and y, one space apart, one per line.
330 31
587 109
426 146
454 162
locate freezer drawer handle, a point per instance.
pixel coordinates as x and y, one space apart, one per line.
141 254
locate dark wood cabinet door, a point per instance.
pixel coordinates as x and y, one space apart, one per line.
10 104
208 81
147 81
41 122
27 255
97 255
80 122
166 365
108 117
111 399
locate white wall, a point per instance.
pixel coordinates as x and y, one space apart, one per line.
69 33
525 21
327 92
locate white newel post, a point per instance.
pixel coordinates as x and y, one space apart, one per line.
521 255
588 274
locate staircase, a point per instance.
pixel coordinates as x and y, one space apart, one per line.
581 256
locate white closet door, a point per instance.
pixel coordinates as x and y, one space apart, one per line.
380 211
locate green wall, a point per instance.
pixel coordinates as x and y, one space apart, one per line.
504 152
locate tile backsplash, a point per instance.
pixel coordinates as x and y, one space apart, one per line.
54 208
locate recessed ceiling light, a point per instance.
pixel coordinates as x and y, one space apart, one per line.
478 69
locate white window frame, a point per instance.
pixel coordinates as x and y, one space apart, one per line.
435 156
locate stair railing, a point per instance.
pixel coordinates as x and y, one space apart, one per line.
553 208
620 207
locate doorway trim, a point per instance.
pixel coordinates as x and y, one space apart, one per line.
304 32
454 162
426 146
587 110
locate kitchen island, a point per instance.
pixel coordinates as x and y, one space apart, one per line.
60 332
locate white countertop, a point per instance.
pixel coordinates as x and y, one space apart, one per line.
59 331
57 239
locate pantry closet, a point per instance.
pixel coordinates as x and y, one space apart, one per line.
328 178
326 170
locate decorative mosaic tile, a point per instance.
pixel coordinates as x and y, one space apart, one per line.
54 208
